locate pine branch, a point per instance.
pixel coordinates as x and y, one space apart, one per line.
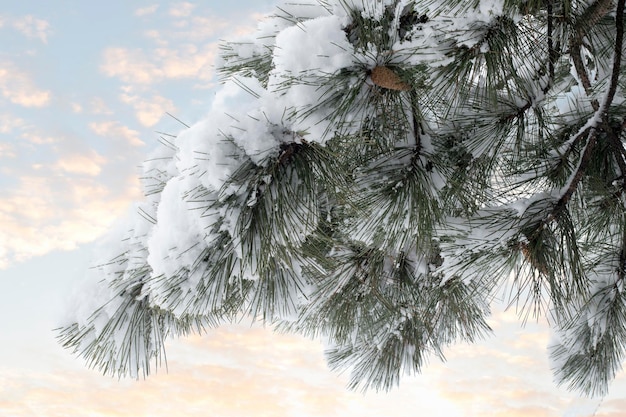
384 183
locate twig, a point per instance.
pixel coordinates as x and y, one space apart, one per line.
552 56
177 119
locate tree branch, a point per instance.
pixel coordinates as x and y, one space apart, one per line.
617 57
595 13
615 142
592 15
581 70
577 177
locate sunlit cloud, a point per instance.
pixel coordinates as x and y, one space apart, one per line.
144 11
148 110
32 27
115 130
17 87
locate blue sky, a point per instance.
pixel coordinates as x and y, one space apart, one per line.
84 86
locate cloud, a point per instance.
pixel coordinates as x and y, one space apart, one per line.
36 138
76 107
7 150
17 87
186 48
613 407
241 371
144 11
181 9
61 191
234 371
98 106
32 27
49 212
237 370
197 28
136 67
115 130
90 165
148 110
9 122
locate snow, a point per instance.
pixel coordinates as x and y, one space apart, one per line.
173 244
298 48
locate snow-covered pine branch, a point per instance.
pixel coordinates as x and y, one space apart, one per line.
374 173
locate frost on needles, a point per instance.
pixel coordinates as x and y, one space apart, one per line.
374 174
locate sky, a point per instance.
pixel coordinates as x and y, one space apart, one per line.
85 87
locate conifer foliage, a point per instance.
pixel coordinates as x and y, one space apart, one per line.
374 173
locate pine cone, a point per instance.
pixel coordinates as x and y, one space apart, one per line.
385 77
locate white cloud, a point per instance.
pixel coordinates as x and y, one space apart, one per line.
32 27
17 87
115 130
144 11
148 110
